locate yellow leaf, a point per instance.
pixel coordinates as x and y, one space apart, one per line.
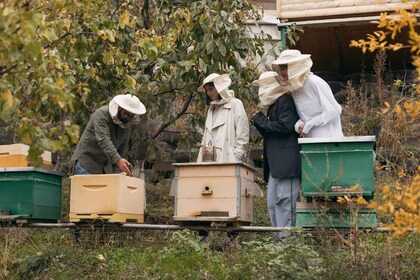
341 200
398 110
124 19
401 173
361 201
391 208
386 109
8 97
61 83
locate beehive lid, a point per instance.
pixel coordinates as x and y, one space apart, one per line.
214 164
29 169
337 139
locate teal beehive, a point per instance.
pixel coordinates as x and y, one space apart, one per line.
30 193
337 166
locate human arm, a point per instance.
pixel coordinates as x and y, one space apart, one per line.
283 117
123 164
101 125
329 106
257 119
242 132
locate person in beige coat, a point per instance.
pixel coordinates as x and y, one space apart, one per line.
226 129
227 126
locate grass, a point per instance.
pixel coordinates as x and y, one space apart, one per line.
53 254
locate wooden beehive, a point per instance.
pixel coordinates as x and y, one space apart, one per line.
113 197
214 192
15 155
337 166
334 215
30 193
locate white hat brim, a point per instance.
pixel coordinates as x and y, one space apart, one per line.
139 109
266 81
283 61
224 79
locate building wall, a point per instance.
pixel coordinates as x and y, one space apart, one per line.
329 26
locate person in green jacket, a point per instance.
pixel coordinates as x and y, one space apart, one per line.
105 140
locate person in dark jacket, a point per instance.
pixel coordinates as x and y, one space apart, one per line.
104 141
282 167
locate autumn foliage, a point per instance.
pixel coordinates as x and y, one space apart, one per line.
402 200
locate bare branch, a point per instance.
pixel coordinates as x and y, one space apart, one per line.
180 113
5 70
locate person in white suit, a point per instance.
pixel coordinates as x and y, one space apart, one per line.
318 110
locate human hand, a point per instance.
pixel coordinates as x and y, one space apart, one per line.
124 166
258 118
300 130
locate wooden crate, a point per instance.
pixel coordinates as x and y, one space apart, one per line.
214 192
15 155
112 197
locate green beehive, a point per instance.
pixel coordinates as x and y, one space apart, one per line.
337 166
336 218
30 193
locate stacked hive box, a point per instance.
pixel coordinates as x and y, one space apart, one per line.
28 193
332 168
15 155
214 192
112 197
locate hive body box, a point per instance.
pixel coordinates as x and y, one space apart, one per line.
113 197
336 166
30 193
333 214
15 155
214 192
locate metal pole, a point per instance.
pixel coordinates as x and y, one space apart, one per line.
282 30
179 227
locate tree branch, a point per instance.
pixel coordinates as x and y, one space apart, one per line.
180 113
5 70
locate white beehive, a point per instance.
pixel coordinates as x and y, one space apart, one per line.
112 197
15 155
214 192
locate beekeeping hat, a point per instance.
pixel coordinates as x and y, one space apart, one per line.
221 82
270 88
290 56
267 83
130 103
297 64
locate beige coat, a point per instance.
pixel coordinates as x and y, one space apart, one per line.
229 133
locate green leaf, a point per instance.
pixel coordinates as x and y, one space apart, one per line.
130 82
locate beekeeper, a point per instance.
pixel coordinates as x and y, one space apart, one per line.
102 146
318 110
282 168
226 131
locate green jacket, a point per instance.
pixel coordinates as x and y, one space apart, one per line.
102 143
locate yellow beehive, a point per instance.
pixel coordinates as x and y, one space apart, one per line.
214 192
15 155
113 197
